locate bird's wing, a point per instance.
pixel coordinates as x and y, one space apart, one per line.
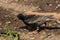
33 19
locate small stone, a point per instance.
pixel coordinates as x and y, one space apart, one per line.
58 5
50 4
32 38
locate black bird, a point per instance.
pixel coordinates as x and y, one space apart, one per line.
27 20
33 21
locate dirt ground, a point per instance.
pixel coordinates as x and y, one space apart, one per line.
9 9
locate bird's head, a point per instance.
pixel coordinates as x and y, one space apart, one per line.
21 16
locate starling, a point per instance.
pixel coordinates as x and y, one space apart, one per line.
34 21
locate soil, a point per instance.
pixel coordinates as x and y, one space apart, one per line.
9 9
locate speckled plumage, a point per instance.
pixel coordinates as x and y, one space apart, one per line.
34 21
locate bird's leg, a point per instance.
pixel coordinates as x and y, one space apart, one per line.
46 24
35 31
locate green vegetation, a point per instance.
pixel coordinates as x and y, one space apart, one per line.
10 32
